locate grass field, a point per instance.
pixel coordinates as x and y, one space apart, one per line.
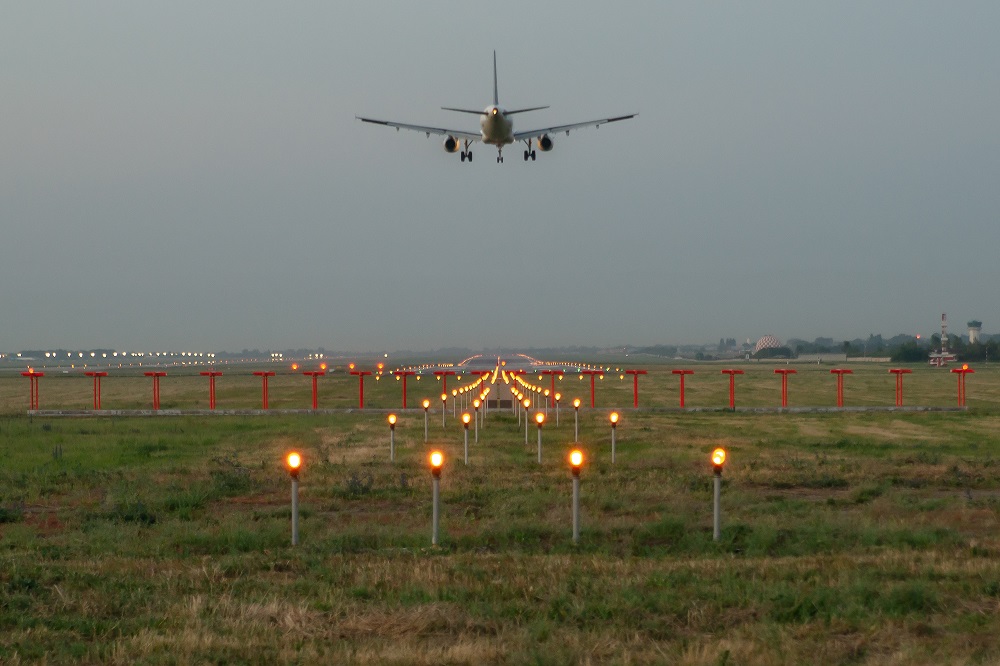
868 538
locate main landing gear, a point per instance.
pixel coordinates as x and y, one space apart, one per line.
529 152
467 154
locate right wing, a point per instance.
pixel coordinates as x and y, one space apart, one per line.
460 134
521 136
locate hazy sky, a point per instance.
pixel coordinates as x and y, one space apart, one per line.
191 174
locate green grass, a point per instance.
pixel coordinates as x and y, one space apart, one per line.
847 538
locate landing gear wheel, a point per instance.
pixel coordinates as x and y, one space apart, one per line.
463 155
470 155
526 154
532 156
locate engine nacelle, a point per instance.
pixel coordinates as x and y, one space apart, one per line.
451 144
544 143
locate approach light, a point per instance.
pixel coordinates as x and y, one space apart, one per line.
392 420
576 460
614 419
718 459
539 418
576 403
437 461
466 419
294 462
444 397
427 404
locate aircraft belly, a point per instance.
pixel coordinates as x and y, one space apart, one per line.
497 132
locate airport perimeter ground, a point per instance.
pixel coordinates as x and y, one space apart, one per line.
848 537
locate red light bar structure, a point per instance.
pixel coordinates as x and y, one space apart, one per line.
404 374
899 372
361 387
444 374
732 385
784 372
156 385
592 373
211 374
97 387
315 374
681 374
33 377
840 372
552 391
962 372
635 384
264 374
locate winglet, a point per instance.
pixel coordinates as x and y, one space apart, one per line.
496 97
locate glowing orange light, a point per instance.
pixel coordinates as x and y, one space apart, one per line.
576 403
351 366
436 459
718 457
526 402
558 397
576 458
295 366
476 403
322 366
965 366
392 419
444 397
294 461
614 417
466 417
427 404
540 418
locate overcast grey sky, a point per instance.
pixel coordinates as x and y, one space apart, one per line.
191 174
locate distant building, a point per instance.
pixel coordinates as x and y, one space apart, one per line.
975 328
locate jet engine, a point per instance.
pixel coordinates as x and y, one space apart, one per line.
544 143
451 144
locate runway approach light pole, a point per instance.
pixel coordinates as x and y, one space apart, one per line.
558 397
315 374
840 372
466 419
962 372
635 384
156 386
576 420
392 437
682 374
444 405
33 378
475 405
264 374
718 460
437 461
294 462
575 463
614 427
527 405
899 372
539 419
97 387
211 374
732 386
784 372
427 406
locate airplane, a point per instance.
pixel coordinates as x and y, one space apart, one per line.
497 128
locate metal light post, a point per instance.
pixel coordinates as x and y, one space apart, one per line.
576 420
392 438
558 398
466 418
840 372
211 374
539 419
575 463
427 406
718 460
475 405
784 372
635 384
614 427
732 386
527 405
962 372
315 374
294 462
899 372
97 388
437 461
264 374
33 380
444 405
682 374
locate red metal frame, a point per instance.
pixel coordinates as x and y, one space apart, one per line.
156 386
404 374
962 372
681 374
635 384
97 387
33 377
592 374
732 385
784 372
361 386
899 372
840 372
264 374
211 374
315 374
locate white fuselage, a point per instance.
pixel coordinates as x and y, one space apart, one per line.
497 128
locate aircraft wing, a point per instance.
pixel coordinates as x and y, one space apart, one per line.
531 134
460 134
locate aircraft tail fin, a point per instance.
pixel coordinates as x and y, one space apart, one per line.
496 96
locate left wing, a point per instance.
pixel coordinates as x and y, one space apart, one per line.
461 134
531 134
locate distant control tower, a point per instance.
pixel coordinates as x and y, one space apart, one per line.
975 328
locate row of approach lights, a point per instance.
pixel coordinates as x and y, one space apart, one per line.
576 459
